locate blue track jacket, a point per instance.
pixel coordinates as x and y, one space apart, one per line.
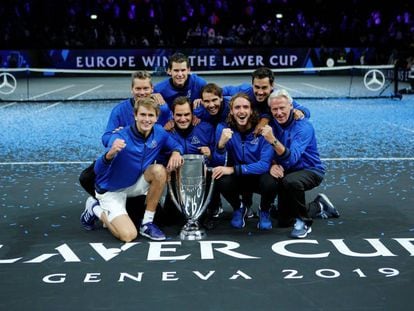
131 162
191 89
191 139
202 113
298 136
248 154
262 108
123 115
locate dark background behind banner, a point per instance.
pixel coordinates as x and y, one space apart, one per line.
200 59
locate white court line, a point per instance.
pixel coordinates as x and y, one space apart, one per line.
368 159
10 104
323 159
51 92
41 95
47 107
320 88
72 97
289 89
400 127
87 91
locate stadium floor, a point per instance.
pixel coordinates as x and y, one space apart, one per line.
360 261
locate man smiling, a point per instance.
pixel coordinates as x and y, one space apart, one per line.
299 167
244 162
126 169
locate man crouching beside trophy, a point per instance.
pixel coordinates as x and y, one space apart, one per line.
190 186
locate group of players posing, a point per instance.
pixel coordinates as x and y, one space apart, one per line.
257 139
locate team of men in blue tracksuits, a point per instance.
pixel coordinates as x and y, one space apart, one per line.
257 140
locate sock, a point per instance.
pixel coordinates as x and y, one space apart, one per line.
148 217
97 210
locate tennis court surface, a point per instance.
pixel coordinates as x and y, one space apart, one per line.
360 261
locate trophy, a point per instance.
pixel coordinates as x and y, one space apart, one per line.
190 188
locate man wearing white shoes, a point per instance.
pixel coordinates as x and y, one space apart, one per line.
127 169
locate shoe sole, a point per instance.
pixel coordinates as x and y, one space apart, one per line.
334 214
260 228
151 237
303 235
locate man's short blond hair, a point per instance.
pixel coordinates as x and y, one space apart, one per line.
148 102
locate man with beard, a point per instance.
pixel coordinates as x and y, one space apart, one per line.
244 161
194 139
258 91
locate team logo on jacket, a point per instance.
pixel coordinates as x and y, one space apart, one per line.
195 140
153 144
255 141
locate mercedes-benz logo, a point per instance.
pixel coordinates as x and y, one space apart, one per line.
374 80
8 83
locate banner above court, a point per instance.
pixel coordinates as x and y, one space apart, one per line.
200 59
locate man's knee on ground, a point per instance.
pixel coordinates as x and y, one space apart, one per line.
127 234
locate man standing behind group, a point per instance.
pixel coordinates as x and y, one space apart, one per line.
126 169
299 167
258 91
181 82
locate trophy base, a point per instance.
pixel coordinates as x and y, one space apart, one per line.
192 232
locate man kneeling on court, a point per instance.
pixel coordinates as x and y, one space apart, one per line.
126 170
299 167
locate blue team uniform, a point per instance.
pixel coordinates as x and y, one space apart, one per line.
132 161
191 89
261 108
123 115
202 113
249 154
191 139
298 136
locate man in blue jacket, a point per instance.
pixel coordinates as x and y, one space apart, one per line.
214 107
126 169
194 139
299 167
262 84
244 161
122 115
181 82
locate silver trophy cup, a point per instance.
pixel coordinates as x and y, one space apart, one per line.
190 189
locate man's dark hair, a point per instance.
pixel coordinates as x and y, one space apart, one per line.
181 100
262 73
178 58
213 89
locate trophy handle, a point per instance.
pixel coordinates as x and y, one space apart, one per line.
171 192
